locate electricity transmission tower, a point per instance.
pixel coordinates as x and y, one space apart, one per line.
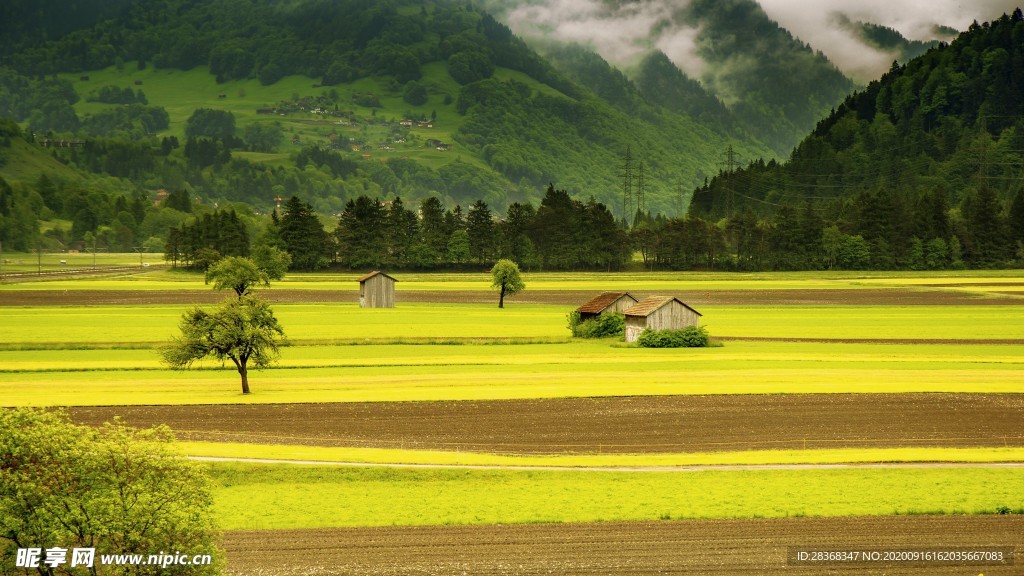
730 164
641 188
627 186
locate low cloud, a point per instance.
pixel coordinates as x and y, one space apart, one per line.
622 32
820 25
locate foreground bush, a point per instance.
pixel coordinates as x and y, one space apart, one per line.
689 337
606 325
114 489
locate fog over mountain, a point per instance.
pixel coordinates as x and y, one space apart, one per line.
623 30
820 24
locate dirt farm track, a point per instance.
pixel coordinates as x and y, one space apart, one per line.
619 425
695 547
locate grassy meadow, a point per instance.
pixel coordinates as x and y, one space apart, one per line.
493 372
338 352
53 354
250 496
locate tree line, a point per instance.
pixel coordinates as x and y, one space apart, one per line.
562 233
559 234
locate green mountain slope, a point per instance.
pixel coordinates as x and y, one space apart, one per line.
777 86
345 76
931 151
772 85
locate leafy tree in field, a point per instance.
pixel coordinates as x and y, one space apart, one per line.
115 489
506 279
237 273
273 261
243 330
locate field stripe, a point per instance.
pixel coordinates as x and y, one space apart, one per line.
698 468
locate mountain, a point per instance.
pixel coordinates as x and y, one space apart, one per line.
773 85
929 152
319 90
890 40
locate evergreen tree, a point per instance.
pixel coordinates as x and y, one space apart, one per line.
401 233
984 218
303 236
480 228
432 229
361 233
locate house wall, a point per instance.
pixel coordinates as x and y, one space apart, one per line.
377 292
634 326
621 305
672 316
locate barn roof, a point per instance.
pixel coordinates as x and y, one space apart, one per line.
606 299
375 273
648 306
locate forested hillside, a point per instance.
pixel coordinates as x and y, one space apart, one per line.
923 168
741 68
245 101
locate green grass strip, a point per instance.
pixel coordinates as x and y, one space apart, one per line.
251 496
438 457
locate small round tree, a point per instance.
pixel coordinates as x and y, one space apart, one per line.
237 273
506 279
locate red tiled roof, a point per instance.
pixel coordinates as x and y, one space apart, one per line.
374 273
606 299
648 305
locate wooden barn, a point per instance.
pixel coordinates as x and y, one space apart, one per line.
377 290
606 303
659 313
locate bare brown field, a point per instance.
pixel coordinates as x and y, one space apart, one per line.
796 297
754 546
649 424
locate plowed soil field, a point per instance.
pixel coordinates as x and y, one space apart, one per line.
607 425
726 547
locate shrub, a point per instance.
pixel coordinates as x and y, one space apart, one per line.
116 489
689 337
605 325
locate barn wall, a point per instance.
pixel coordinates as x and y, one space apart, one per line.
377 292
621 304
672 316
634 326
